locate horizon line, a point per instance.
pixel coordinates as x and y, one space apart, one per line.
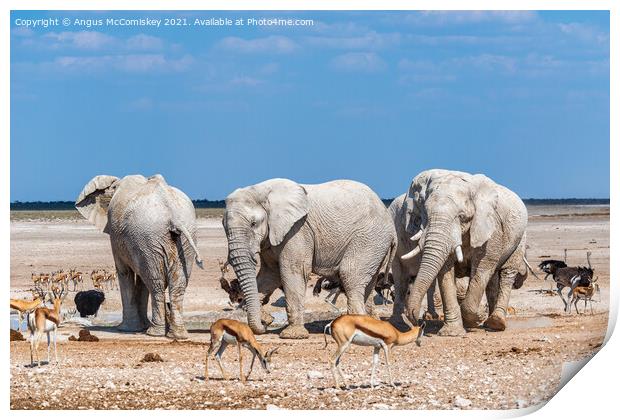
607 200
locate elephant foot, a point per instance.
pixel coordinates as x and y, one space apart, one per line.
473 320
295 331
266 319
432 316
130 327
156 331
452 329
177 333
495 322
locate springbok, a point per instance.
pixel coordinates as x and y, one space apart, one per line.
586 293
228 331
364 330
26 306
45 320
77 278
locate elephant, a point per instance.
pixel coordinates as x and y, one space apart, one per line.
468 223
339 228
403 271
152 230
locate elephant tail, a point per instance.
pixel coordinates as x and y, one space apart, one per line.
181 229
325 331
386 265
525 258
530 268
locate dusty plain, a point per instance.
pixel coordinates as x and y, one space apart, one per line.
483 370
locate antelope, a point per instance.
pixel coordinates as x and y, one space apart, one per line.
233 288
26 306
98 279
45 278
364 330
384 287
45 320
333 285
58 277
36 279
228 331
77 278
586 293
110 279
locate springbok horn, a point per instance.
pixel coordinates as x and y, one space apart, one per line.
417 235
459 253
415 251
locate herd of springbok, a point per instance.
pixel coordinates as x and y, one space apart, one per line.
101 279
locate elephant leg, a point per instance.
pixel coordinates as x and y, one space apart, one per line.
267 280
158 309
177 284
294 285
131 299
357 285
369 302
471 304
499 305
356 301
401 282
453 324
142 295
431 311
492 293
462 284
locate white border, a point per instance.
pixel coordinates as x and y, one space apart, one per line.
589 395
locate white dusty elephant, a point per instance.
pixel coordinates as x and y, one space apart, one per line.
469 220
405 271
339 228
152 229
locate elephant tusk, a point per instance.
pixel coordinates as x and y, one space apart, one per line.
417 235
415 251
459 253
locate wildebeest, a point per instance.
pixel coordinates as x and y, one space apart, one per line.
88 302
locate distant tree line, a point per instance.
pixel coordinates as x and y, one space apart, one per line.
219 204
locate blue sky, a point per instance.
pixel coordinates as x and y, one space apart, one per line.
372 96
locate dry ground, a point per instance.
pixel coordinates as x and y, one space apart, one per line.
511 369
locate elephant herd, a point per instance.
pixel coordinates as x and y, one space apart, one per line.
449 226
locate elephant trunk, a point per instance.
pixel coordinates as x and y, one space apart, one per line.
242 260
438 245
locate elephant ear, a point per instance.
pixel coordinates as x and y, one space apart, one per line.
287 202
484 222
92 203
409 213
414 201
